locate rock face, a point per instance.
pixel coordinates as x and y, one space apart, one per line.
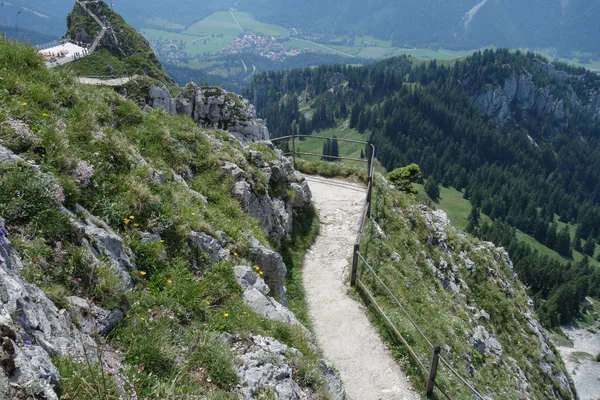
265 365
493 265
521 92
161 98
213 107
273 267
256 296
32 329
103 241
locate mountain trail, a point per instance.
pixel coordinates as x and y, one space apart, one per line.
340 323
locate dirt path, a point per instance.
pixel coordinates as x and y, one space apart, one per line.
341 326
580 361
105 82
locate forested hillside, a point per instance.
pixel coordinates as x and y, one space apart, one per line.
518 135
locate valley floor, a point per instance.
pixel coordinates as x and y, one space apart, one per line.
341 326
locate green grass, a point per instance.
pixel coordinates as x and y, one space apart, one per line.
352 150
248 23
445 317
170 339
458 209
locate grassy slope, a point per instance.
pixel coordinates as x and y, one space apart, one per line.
443 316
458 209
173 306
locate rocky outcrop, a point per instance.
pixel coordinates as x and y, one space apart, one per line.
33 329
214 107
521 92
161 98
266 365
273 267
332 378
256 296
103 241
493 266
208 245
92 319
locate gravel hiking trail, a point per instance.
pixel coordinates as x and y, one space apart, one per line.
340 323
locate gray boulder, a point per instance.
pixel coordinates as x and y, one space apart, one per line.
272 266
92 319
203 243
33 329
265 366
256 297
335 388
161 98
103 241
8 157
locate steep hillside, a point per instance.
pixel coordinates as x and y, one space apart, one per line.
137 250
466 298
121 50
518 134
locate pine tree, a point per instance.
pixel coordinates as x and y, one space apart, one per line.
590 247
563 242
334 150
551 236
432 189
474 217
577 241
326 150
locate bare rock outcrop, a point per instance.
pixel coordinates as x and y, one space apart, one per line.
33 329
211 106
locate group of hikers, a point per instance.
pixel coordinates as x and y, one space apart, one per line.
54 57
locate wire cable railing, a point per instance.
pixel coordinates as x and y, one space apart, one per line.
358 258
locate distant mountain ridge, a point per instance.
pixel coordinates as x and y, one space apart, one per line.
462 24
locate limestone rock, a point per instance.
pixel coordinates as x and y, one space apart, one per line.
8 157
256 297
32 329
265 365
207 244
92 319
161 98
335 387
103 241
273 267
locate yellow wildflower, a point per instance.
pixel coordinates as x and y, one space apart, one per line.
226 315
24 104
193 214
131 217
235 254
207 302
169 281
136 225
162 241
44 115
125 221
256 267
142 273
260 272
142 318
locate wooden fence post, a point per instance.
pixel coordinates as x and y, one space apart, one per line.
294 148
354 265
435 358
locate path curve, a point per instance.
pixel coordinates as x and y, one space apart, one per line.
340 323
106 82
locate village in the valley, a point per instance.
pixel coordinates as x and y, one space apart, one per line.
270 47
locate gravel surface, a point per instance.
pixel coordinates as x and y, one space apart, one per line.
341 326
580 363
